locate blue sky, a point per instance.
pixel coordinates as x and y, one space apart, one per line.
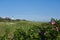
37 10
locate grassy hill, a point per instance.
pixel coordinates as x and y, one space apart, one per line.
28 30
12 26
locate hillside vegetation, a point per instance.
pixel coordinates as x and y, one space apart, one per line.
28 30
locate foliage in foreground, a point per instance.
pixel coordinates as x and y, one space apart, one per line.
34 33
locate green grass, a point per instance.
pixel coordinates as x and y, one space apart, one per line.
25 27
12 26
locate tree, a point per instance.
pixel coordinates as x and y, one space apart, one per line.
1 19
7 19
17 19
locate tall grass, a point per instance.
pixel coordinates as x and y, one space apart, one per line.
27 30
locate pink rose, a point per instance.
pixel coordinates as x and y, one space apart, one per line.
52 23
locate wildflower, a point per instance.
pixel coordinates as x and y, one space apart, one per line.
52 23
10 36
57 29
41 32
32 30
